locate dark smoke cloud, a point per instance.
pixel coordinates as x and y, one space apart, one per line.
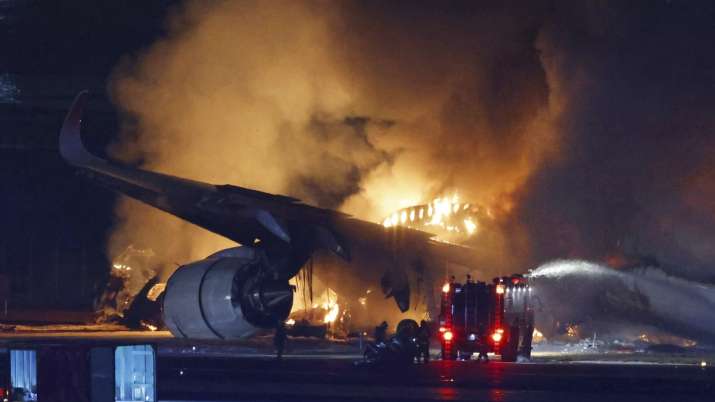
636 169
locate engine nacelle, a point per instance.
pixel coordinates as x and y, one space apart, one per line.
225 296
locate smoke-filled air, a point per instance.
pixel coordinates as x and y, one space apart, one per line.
586 129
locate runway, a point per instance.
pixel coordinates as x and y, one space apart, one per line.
243 379
321 370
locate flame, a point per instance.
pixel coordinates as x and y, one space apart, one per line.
332 314
156 291
148 326
571 331
121 267
447 213
470 226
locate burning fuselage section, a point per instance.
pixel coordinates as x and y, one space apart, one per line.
445 217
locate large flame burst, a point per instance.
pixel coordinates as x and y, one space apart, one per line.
446 217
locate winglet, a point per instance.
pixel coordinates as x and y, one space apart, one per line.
71 147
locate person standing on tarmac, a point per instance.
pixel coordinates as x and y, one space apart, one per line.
279 339
423 338
381 332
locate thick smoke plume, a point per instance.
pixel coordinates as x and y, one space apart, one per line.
586 127
636 177
359 106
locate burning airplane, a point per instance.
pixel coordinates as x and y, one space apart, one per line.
234 292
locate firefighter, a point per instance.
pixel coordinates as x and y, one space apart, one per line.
381 332
279 339
423 337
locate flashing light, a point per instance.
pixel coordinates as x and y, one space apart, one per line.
703 364
445 288
472 337
496 337
500 331
500 289
442 329
448 335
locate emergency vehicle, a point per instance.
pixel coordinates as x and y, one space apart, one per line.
481 318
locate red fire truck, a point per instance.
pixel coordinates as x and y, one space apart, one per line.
481 318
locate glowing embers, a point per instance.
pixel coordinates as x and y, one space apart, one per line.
156 291
572 331
446 217
148 326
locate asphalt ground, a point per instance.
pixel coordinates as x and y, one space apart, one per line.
316 370
195 378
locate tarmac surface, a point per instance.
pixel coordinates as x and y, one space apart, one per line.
311 379
316 370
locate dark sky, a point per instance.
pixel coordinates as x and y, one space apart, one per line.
54 225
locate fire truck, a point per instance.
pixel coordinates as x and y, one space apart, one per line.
481 318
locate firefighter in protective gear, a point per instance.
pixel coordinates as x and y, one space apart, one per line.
423 338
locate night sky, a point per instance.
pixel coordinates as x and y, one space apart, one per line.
54 224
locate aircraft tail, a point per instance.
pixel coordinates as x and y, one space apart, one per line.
71 147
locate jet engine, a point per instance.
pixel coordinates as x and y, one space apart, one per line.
225 296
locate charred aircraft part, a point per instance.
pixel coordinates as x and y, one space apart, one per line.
225 297
395 284
145 309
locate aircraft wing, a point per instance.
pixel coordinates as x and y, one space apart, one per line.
241 214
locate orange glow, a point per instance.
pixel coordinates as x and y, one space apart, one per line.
445 288
448 336
496 337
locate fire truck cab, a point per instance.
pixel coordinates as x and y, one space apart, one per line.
477 317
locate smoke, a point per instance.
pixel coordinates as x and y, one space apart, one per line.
586 127
635 177
359 106
610 302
